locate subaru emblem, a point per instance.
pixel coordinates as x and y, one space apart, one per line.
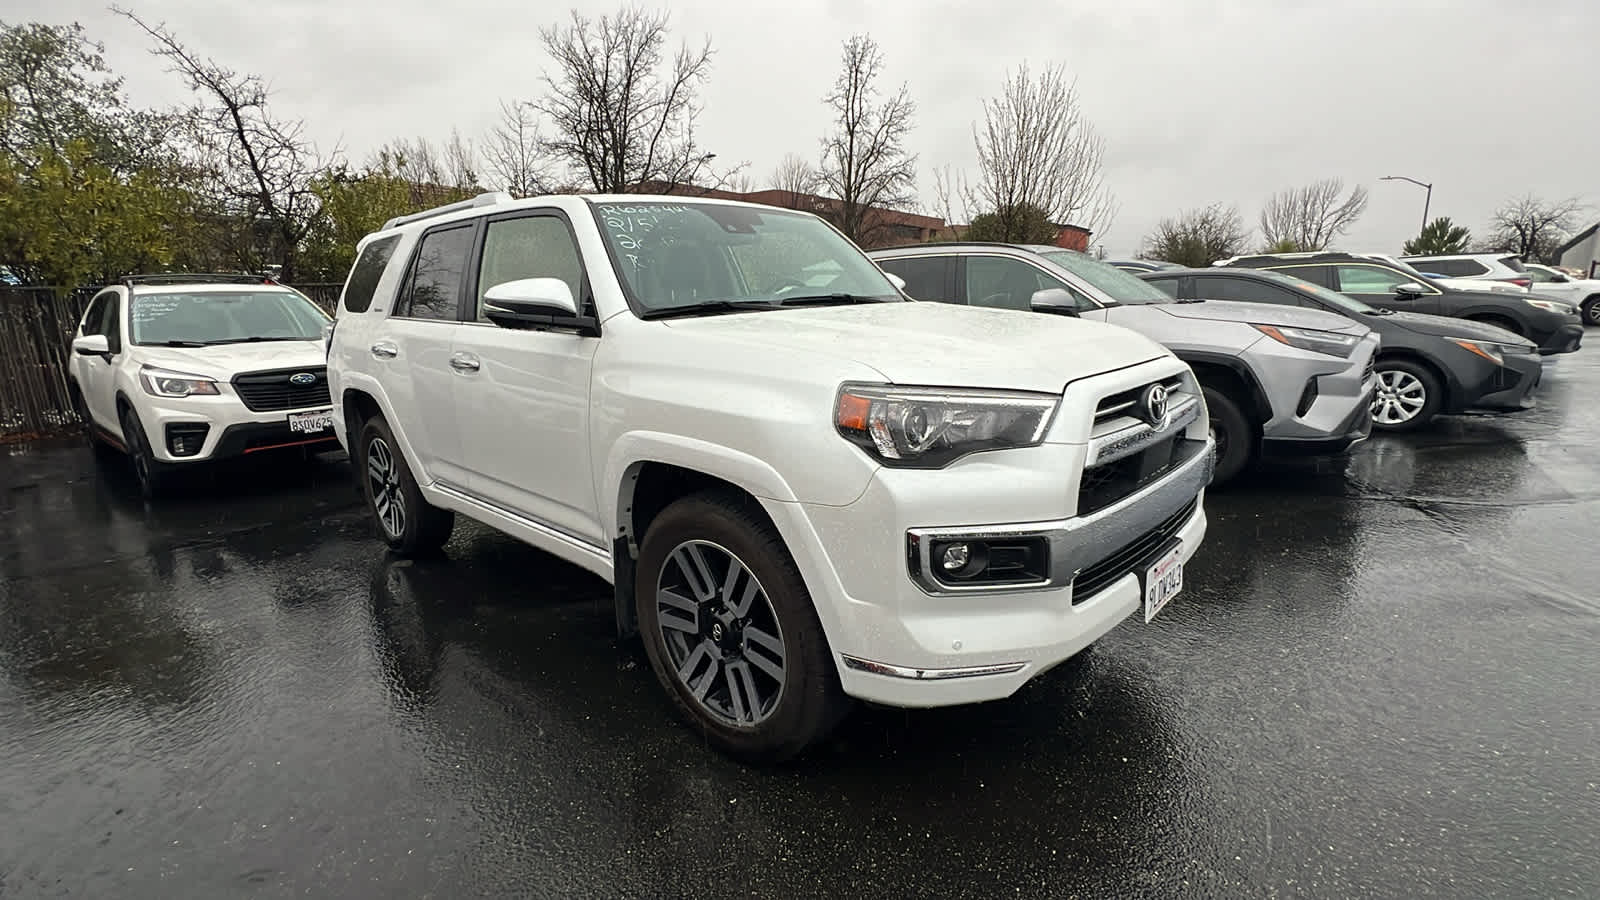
1154 406
302 378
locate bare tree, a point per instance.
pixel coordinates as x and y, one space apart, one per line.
459 160
864 162
1531 227
796 178
1312 216
260 166
1036 149
622 117
1198 237
511 152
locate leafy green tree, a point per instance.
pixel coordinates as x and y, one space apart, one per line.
1283 245
351 205
1020 224
1441 236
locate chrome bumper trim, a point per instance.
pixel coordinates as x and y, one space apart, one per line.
1077 543
877 668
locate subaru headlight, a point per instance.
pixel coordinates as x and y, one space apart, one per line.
162 383
928 428
1330 342
1549 306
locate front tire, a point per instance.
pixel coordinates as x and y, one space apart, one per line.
1408 397
1232 432
731 631
151 473
1591 310
410 525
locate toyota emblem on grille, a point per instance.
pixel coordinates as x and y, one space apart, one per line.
308 378
1153 404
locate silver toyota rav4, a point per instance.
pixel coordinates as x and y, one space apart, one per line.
1278 380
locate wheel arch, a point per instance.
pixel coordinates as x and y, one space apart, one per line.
1230 374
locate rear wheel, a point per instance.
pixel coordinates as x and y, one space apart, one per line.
1408 396
409 524
731 631
1501 322
1591 310
1232 432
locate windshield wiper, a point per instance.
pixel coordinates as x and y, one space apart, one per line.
176 344
1188 300
704 307
252 340
1380 311
822 299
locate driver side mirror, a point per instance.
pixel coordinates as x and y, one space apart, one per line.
896 280
1408 290
536 304
92 345
1054 300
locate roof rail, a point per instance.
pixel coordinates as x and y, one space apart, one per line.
488 198
198 278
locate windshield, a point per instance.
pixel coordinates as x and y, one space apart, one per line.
673 254
1120 286
224 317
1332 298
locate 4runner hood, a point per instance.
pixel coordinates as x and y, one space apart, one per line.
940 344
1262 314
224 361
1447 327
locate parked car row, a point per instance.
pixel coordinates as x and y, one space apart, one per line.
805 488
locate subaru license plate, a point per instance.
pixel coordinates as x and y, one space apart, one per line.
1163 581
314 422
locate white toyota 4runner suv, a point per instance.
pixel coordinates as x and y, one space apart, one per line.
179 370
803 487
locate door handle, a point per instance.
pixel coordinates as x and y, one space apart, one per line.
464 362
385 350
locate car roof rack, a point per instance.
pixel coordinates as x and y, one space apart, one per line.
488 198
198 278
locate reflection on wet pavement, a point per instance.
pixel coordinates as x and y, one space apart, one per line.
1379 681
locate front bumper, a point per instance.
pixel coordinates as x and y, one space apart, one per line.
1510 388
230 430
1356 427
1565 338
905 640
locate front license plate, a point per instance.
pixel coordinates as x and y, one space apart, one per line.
313 422
1163 581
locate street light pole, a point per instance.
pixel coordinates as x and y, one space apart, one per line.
1428 201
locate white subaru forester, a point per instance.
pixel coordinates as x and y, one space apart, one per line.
175 370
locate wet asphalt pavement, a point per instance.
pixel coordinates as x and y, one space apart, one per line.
1381 680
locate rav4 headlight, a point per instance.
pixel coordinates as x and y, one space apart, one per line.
1330 342
932 427
162 383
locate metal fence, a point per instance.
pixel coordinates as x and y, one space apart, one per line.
36 326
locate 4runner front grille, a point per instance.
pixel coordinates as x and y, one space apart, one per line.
1123 403
1132 557
1104 485
283 389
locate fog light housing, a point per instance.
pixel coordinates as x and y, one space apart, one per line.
999 561
955 557
1307 397
186 438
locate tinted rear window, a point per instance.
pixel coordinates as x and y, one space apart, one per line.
364 275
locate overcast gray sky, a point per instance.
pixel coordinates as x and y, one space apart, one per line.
1198 101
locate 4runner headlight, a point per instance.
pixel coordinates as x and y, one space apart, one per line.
162 383
1550 306
932 427
1330 342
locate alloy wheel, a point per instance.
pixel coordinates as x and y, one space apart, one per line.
722 635
383 478
1399 398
